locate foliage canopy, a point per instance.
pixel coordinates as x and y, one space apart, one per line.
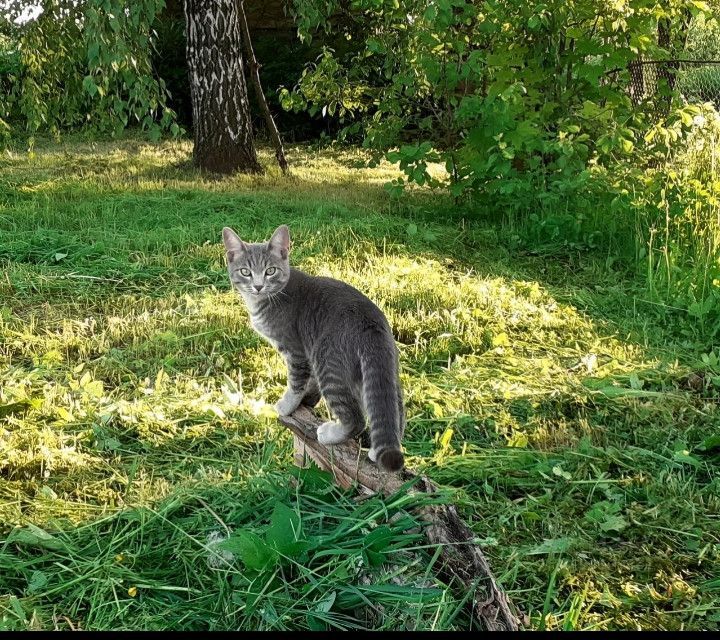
492 89
82 64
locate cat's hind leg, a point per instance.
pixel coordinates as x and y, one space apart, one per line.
345 407
312 393
333 433
350 420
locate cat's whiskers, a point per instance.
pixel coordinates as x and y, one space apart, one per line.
276 297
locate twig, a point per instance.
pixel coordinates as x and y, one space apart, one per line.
259 94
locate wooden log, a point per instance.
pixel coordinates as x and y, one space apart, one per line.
461 559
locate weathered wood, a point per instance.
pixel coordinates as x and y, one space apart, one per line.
460 557
259 93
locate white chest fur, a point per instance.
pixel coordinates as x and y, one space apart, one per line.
260 327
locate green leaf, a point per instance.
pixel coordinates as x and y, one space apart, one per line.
326 602
613 523
559 471
93 51
322 606
373 558
553 545
606 516
154 133
89 85
684 457
285 531
33 536
378 539
250 548
374 45
315 623
314 481
635 382
37 581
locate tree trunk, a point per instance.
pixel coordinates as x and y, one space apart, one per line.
222 128
666 70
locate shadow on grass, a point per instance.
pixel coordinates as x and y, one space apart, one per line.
165 565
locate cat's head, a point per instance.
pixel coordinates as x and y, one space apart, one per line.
258 269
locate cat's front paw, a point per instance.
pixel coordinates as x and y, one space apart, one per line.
288 403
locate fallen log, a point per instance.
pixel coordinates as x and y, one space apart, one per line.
461 558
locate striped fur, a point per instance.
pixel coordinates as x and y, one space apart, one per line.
335 342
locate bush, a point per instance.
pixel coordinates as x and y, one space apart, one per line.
509 97
680 224
86 65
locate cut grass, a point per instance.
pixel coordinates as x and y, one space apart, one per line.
576 427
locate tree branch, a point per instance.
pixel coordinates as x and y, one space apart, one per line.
259 94
461 558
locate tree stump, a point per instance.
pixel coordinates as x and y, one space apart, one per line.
461 558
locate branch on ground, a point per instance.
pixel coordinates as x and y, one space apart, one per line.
461 559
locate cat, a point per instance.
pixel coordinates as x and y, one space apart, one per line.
335 341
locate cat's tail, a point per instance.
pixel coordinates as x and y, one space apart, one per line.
384 406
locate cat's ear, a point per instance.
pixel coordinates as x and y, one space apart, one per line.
280 241
233 244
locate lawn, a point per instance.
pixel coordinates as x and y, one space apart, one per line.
573 421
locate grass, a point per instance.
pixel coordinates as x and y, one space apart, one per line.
145 484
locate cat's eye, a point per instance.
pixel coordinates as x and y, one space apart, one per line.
245 272
270 271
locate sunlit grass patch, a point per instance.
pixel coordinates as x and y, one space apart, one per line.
577 431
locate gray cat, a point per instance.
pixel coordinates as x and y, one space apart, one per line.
334 341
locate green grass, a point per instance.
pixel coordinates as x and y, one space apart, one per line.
573 422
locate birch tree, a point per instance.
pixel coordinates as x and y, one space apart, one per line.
222 129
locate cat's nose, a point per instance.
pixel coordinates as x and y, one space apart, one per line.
258 287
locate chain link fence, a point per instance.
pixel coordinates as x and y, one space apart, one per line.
697 81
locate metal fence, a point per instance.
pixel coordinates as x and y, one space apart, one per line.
695 80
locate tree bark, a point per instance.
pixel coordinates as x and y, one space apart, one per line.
666 71
259 94
461 559
222 128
